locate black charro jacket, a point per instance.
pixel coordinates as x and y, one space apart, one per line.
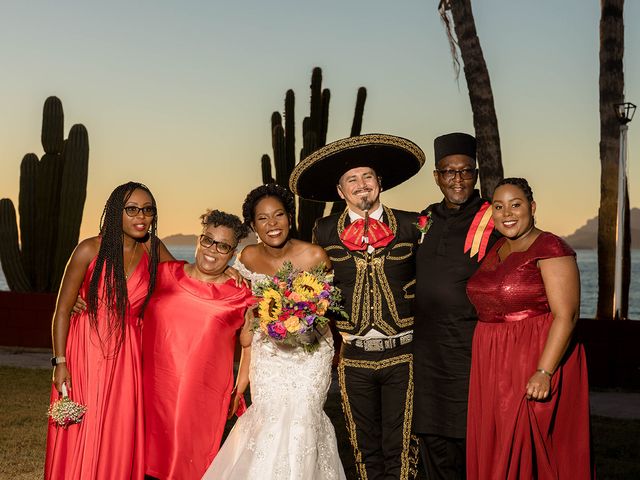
378 288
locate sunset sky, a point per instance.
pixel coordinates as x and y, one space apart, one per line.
178 95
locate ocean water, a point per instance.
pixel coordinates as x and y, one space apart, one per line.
587 263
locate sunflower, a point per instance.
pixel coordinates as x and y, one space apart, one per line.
307 286
271 305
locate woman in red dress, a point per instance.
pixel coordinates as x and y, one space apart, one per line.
528 394
189 339
97 352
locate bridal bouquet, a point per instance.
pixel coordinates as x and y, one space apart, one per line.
293 303
65 411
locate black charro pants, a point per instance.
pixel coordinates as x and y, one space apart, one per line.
377 400
443 457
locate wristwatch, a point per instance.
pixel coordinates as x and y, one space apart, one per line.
58 360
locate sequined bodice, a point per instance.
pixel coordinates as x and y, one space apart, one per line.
512 290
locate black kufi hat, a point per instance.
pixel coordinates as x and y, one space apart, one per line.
454 144
395 159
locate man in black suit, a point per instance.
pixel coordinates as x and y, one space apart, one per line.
456 234
372 248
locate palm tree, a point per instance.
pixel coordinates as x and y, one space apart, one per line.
485 122
611 92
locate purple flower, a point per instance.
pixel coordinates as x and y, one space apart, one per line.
310 319
276 331
324 294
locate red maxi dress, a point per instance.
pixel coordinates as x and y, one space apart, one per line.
108 443
508 436
189 339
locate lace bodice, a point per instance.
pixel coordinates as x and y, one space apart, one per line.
248 274
285 433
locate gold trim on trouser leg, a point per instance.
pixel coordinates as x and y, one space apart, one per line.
409 468
409 456
351 425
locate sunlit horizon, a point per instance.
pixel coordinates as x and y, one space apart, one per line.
184 104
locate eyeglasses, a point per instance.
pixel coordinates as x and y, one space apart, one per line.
134 211
465 173
222 247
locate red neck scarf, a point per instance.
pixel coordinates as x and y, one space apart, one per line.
366 231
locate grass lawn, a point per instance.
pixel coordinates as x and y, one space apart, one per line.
24 398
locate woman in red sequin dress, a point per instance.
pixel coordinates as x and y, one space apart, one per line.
528 394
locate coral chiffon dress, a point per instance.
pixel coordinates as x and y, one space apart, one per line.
107 378
189 339
509 436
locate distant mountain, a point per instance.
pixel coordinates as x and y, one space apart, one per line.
180 240
586 237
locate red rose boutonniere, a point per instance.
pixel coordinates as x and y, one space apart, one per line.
423 224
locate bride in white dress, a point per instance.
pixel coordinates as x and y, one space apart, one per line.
285 433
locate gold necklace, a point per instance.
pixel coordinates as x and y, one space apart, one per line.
126 275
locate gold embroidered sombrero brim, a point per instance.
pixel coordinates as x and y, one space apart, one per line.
395 159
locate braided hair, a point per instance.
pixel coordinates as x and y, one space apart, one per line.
268 190
111 259
218 218
521 183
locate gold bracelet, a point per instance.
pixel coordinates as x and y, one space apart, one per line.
542 370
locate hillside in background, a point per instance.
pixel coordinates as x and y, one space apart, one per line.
179 240
586 237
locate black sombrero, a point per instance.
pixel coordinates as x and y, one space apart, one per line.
395 159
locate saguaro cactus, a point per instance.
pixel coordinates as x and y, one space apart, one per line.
73 193
314 136
51 201
9 250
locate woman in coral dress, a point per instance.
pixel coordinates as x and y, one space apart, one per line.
285 433
189 336
97 352
528 394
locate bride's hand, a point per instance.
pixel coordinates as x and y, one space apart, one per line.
246 334
236 398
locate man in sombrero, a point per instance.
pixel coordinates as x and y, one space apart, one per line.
372 248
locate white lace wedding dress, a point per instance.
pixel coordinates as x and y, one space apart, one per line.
284 434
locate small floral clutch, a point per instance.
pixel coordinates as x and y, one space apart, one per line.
64 412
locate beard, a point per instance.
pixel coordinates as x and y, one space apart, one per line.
365 204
